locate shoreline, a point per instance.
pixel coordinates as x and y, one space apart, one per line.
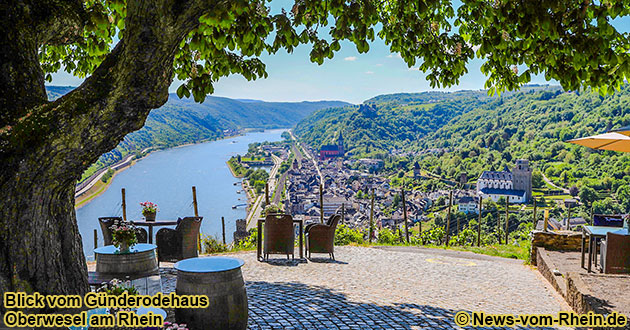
88 196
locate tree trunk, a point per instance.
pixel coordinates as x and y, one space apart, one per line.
40 245
46 146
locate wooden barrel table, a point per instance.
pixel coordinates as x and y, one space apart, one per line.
140 260
220 279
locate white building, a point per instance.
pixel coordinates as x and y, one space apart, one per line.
467 205
515 186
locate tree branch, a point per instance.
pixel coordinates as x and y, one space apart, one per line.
26 26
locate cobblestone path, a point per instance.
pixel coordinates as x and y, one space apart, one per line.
389 288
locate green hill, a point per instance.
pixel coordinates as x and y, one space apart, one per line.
182 121
468 132
389 121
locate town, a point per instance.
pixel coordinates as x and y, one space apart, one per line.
315 184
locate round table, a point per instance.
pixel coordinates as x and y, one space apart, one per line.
140 260
221 280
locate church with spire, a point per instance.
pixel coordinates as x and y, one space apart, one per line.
329 151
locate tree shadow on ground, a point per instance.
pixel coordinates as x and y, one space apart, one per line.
325 260
300 306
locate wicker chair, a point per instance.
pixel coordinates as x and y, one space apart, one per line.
615 254
279 236
608 220
106 222
181 242
320 238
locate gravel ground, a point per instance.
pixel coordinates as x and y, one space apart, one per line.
387 288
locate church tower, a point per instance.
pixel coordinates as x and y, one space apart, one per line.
522 177
340 144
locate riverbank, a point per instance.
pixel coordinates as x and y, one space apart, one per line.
233 171
100 187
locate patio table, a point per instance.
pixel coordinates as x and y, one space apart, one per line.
140 261
259 238
595 233
152 224
221 280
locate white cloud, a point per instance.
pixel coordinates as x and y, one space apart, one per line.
380 64
394 55
414 68
369 72
350 58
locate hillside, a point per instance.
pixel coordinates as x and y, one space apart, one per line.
388 122
449 134
182 121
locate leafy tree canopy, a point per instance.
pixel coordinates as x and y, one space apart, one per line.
572 42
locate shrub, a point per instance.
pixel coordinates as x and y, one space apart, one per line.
386 236
249 242
345 235
465 237
435 236
213 245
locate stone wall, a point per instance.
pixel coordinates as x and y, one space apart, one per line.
555 241
545 267
580 298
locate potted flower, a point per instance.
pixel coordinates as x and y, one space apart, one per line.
149 210
124 236
116 287
272 209
175 326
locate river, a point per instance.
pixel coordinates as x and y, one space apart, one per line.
166 177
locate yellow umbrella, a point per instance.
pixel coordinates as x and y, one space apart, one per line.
615 141
624 130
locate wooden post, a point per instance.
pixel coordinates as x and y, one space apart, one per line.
371 219
321 203
95 239
569 218
124 205
404 204
592 215
507 220
535 219
546 223
194 192
499 226
266 193
479 223
448 217
223 226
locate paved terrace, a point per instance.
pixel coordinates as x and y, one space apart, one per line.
387 288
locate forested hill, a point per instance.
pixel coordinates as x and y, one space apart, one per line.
389 121
182 121
453 133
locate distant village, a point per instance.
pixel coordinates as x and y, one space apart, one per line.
353 188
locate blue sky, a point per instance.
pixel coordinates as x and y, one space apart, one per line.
349 76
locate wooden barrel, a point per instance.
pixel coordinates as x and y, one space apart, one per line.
142 259
220 279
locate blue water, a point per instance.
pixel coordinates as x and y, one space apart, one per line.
166 177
